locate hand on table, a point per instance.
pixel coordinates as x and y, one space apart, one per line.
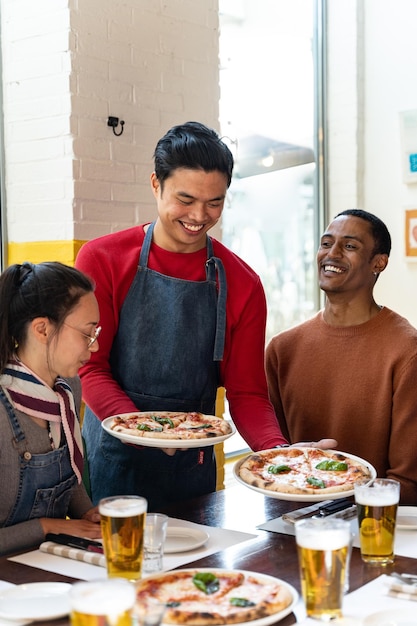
92 515
76 527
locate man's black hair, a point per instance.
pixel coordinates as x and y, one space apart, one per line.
192 146
379 231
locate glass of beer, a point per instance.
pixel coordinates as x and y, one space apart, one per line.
106 602
323 547
122 527
376 506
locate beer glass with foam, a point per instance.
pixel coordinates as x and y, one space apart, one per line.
122 527
323 547
376 506
106 602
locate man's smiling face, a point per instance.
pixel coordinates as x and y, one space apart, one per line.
190 202
345 259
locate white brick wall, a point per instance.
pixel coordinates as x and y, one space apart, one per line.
67 66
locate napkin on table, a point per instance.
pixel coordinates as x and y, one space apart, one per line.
397 589
73 553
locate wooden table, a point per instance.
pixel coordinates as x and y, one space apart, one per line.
236 508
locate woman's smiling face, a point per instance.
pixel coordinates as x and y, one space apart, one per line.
190 202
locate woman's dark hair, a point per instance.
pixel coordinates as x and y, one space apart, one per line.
27 291
193 146
379 231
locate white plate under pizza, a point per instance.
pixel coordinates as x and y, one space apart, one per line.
212 597
303 474
169 429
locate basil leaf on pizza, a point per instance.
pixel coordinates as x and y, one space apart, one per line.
278 469
316 482
149 429
332 466
207 582
303 471
241 602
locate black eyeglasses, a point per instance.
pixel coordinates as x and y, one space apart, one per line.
91 339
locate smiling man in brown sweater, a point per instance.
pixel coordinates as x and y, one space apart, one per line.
351 371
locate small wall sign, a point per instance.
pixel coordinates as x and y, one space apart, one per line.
411 233
408 131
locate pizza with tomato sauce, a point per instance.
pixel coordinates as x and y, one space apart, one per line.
303 471
214 597
170 425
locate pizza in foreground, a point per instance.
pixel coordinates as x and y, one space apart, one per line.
171 425
303 471
205 598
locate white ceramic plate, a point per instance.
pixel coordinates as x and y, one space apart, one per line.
397 617
35 601
264 621
407 518
183 539
298 497
163 443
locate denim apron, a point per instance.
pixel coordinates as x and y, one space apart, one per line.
45 480
165 357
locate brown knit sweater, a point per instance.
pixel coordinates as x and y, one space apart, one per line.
356 384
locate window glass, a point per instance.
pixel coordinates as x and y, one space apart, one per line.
267 115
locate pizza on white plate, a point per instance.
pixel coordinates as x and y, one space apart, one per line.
214 597
171 425
303 471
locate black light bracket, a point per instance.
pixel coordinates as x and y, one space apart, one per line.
114 122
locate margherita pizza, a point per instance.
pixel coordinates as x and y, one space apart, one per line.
208 598
171 425
303 471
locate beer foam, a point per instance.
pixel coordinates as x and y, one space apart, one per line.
330 539
123 507
103 597
377 497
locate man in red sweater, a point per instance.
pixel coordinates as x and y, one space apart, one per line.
351 371
181 315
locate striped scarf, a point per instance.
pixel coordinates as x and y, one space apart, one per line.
30 394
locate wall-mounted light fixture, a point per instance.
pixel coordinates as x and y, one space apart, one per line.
114 122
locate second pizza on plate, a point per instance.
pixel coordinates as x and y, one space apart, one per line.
303 471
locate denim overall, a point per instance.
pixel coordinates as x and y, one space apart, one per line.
165 357
45 481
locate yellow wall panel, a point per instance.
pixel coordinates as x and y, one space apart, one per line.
39 251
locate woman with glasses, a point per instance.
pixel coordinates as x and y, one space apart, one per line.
48 330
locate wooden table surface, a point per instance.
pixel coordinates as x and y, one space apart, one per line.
235 508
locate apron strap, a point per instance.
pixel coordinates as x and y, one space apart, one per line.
213 265
19 438
146 246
